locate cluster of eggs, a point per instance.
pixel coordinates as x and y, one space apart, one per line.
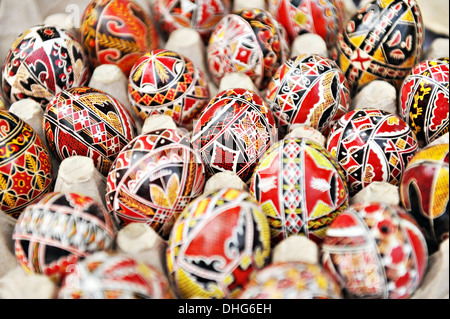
219 243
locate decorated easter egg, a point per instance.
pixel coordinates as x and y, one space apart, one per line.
87 122
371 145
26 172
117 32
153 179
375 253
249 41
424 190
165 82
106 275
200 15
219 241
424 100
54 233
292 280
383 40
309 90
301 189
322 17
233 132
43 61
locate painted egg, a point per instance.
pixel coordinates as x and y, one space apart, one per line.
424 100
43 61
382 41
292 280
105 275
87 122
249 41
233 132
117 32
308 90
322 17
153 179
200 15
53 234
219 241
374 252
26 172
165 82
301 189
371 145
424 192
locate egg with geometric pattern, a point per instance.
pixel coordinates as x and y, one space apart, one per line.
383 40
108 275
308 89
424 192
423 100
301 189
375 251
87 122
51 235
153 179
371 145
249 41
165 82
233 131
43 61
217 244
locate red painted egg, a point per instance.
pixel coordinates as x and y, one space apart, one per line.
217 244
53 234
308 90
87 122
165 82
43 61
371 145
301 189
26 172
424 192
249 41
424 100
153 179
114 276
322 17
375 253
233 132
117 32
